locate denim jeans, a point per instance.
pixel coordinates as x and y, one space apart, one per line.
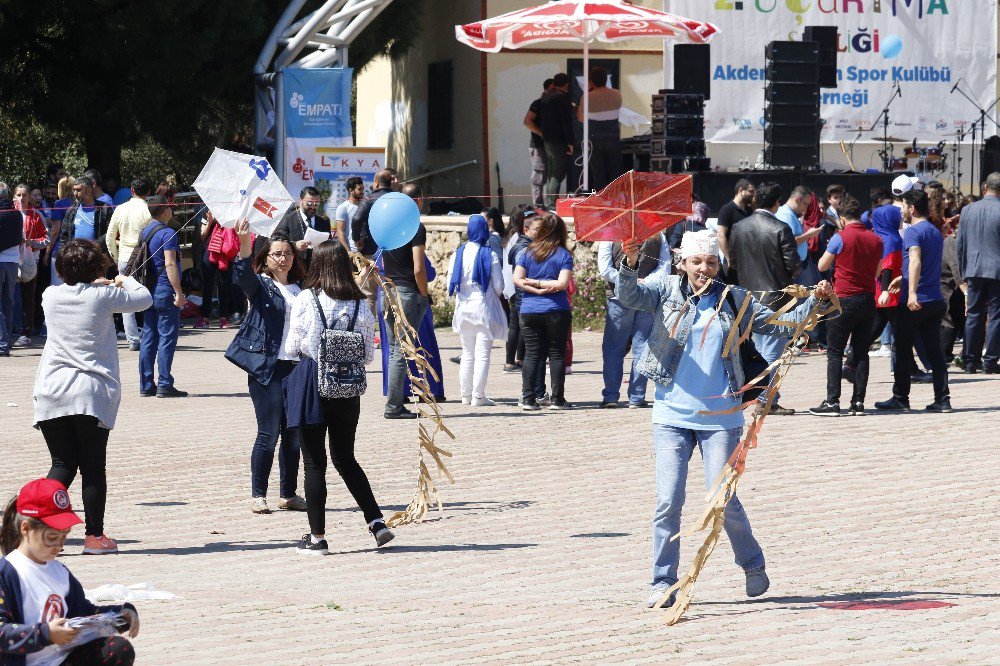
545 333
621 325
854 322
128 318
771 348
160 327
414 307
558 165
673 448
984 308
269 406
923 324
8 286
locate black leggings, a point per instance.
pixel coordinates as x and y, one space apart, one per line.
545 333
78 443
108 651
515 341
341 415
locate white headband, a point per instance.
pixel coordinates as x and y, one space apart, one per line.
699 242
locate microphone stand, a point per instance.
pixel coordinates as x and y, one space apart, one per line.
884 117
978 124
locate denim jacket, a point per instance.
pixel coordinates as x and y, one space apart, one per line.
257 344
665 296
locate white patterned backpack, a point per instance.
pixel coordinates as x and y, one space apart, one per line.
341 358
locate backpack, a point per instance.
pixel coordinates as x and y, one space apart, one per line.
140 265
341 358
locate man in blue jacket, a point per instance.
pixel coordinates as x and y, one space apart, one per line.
979 260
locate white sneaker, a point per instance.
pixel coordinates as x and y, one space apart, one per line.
882 352
466 400
260 505
483 402
22 341
292 504
655 597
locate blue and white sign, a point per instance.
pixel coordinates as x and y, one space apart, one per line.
317 115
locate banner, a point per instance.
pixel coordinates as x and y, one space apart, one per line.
926 46
335 165
317 115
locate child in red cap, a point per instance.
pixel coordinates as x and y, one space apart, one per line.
38 595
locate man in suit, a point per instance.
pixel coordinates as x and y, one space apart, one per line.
763 253
305 215
978 246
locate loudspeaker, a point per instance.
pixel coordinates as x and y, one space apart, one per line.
989 162
792 72
693 69
792 51
792 156
826 37
792 114
792 93
792 135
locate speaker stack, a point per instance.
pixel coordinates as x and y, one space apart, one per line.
791 131
677 140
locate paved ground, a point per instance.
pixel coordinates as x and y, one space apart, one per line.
542 554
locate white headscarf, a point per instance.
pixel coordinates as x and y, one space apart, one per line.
699 242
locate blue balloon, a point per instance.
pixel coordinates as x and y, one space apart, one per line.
393 220
892 46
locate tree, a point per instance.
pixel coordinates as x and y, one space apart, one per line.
112 71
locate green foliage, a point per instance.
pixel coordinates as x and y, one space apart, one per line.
29 147
443 310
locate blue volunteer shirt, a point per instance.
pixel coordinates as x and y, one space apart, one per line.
83 223
926 236
162 240
788 216
700 377
549 269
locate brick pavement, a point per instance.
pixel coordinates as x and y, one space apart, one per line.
542 555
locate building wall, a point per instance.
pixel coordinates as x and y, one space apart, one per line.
392 104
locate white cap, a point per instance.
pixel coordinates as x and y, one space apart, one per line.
699 242
904 184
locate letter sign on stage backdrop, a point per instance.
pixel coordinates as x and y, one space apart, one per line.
317 117
926 46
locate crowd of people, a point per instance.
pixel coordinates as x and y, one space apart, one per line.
914 272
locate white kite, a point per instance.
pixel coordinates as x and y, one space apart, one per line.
236 186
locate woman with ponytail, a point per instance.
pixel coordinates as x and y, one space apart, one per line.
38 595
476 282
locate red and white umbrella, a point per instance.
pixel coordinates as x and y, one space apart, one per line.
582 22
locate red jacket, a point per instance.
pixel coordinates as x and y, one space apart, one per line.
34 226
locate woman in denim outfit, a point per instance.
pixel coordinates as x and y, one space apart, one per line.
684 359
271 282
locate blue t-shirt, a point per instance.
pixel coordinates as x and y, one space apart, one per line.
60 207
122 195
549 269
700 376
924 235
165 239
83 223
788 216
106 200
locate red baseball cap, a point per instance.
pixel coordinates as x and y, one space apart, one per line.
48 501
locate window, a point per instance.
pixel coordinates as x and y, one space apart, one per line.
440 94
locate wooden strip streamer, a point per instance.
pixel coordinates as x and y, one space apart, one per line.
728 480
417 370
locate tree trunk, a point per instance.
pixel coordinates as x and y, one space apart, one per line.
104 153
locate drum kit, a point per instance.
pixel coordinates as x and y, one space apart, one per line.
929 161
921 161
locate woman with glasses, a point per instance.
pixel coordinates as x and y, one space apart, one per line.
271 283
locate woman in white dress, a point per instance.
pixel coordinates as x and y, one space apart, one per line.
476 282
